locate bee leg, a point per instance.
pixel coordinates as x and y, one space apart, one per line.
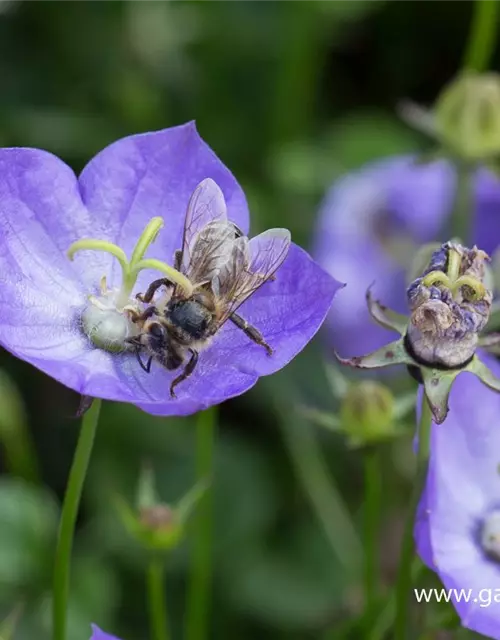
136 342
178 259
153 288
253 333
141 317
188 370
146 367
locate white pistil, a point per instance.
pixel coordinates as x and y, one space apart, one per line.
106 327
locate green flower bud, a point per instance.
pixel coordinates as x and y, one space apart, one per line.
367 412
467 116
155 528
155 525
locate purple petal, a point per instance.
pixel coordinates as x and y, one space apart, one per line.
97 634
389 201
288 312
40 290
153 174
42 213
462 487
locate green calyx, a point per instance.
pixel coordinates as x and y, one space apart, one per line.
156 526
137 262
369 412
437 381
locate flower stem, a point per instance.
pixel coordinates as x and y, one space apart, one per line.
462 218
404 579
481 41
68 519
198 602
157 600
383 622
319 486
373 503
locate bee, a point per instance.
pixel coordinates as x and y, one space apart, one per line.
225 269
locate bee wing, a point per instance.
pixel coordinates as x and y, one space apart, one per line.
206 207
211 253
252 263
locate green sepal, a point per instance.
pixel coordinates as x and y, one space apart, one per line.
437 386
420 119
321 418
157 526
388 355
147 495
369 414
384 316
188 502
159 538
484 374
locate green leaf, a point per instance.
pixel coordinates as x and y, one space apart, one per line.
28 524
295 583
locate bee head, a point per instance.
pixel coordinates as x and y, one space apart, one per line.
155 336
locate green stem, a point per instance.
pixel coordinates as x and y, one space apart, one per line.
320 487
481 41
68 519
462 218
198 601
157 600
373 505
383 622
404 577
295 89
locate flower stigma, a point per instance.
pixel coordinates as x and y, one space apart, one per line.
490 535
106 320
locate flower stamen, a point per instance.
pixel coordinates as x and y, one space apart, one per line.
137 262
91 244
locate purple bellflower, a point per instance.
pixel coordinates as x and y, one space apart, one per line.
371 226
457 532
50 304
97 634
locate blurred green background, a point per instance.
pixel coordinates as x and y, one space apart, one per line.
290 95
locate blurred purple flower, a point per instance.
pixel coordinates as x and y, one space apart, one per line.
457 531
45 208
97 634
371 224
